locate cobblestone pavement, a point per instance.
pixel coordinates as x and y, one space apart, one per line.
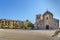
12 34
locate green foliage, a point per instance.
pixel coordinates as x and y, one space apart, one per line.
31 25
23 26
4 26
27 24
15 25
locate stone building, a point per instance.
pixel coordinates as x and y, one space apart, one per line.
4 23
46 21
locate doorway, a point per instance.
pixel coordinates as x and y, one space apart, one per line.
47 27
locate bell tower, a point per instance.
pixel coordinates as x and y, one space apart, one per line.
38 18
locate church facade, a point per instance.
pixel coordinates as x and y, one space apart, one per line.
46 21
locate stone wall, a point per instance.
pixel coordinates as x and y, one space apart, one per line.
47 22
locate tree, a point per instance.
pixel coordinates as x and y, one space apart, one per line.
27 24
31 25
4 26
23 26
15 25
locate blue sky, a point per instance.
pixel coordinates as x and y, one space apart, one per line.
27 9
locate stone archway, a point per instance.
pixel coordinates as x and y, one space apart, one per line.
47 27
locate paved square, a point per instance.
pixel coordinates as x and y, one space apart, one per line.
12 34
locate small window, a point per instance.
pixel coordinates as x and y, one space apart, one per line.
47 18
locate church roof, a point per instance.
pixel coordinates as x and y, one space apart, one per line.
47 12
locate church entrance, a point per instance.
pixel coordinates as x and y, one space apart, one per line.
47 27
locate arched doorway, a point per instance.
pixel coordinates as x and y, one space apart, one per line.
47 27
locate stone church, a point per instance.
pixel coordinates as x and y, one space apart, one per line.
46 21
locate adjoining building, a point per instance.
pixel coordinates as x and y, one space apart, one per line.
46 21
4 23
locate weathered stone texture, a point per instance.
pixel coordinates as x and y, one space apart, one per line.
46 21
